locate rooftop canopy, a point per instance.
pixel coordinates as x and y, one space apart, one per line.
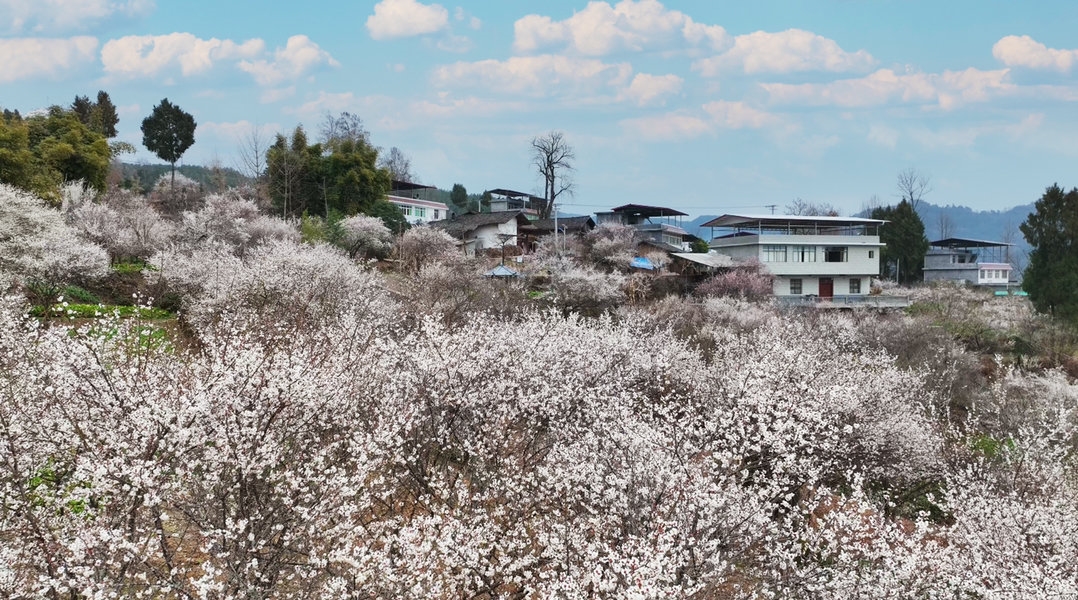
509 193
966 243
648 211
787 220
409 186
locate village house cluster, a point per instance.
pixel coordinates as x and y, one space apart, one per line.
811 258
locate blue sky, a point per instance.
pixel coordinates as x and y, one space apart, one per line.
704 106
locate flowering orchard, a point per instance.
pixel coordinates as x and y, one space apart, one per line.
315 431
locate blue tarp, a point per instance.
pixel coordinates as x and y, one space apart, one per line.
639 262
501 271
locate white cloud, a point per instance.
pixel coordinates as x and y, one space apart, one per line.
148 55
1024 51
463 107
406 18
460 15
601 29
668 127
543 75
647 89
236 130
455 43
883 135
738 115
793 50
272 95
326 102
66 15
26 58
299 56
948 89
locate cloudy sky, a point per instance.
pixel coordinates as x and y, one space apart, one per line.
709 107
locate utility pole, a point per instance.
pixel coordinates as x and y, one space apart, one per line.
556 249
772 207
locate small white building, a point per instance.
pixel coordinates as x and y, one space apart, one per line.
483 231
826 257
977 262
417 210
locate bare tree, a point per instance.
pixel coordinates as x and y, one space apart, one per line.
871 204
1017 257
811 209
913 186
253 146
945 225
553 159
398 165
344 126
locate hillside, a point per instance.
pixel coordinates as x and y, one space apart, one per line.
141 177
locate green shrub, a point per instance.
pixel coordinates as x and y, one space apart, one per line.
74 292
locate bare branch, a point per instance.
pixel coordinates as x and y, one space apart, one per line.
913 186
553 159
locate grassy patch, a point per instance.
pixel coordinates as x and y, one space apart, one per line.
126 268
94 311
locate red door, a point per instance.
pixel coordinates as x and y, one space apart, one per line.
827 287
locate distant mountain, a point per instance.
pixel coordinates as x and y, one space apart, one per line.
141 177
964 222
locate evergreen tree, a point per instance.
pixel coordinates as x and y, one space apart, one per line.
1051 279
458 199
168 132
906 244
104 118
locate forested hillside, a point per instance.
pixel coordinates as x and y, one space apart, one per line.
209 401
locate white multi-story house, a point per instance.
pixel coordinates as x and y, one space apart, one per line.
978 262
417 210
826 257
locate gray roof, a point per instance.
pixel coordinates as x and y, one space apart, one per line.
572 224
753 220
966 243
715 261
460 227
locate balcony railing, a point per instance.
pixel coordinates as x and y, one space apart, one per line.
846 301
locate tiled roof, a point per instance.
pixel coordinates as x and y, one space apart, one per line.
460 227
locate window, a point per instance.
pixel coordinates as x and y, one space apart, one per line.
803 253
436 215
855 286
420 212
795 287
774 253
872 254
834 254
984 274
405 210
673 240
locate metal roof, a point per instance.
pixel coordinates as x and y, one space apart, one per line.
501 271
648 211
408 185
747 220
510 193
953 242
715 261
